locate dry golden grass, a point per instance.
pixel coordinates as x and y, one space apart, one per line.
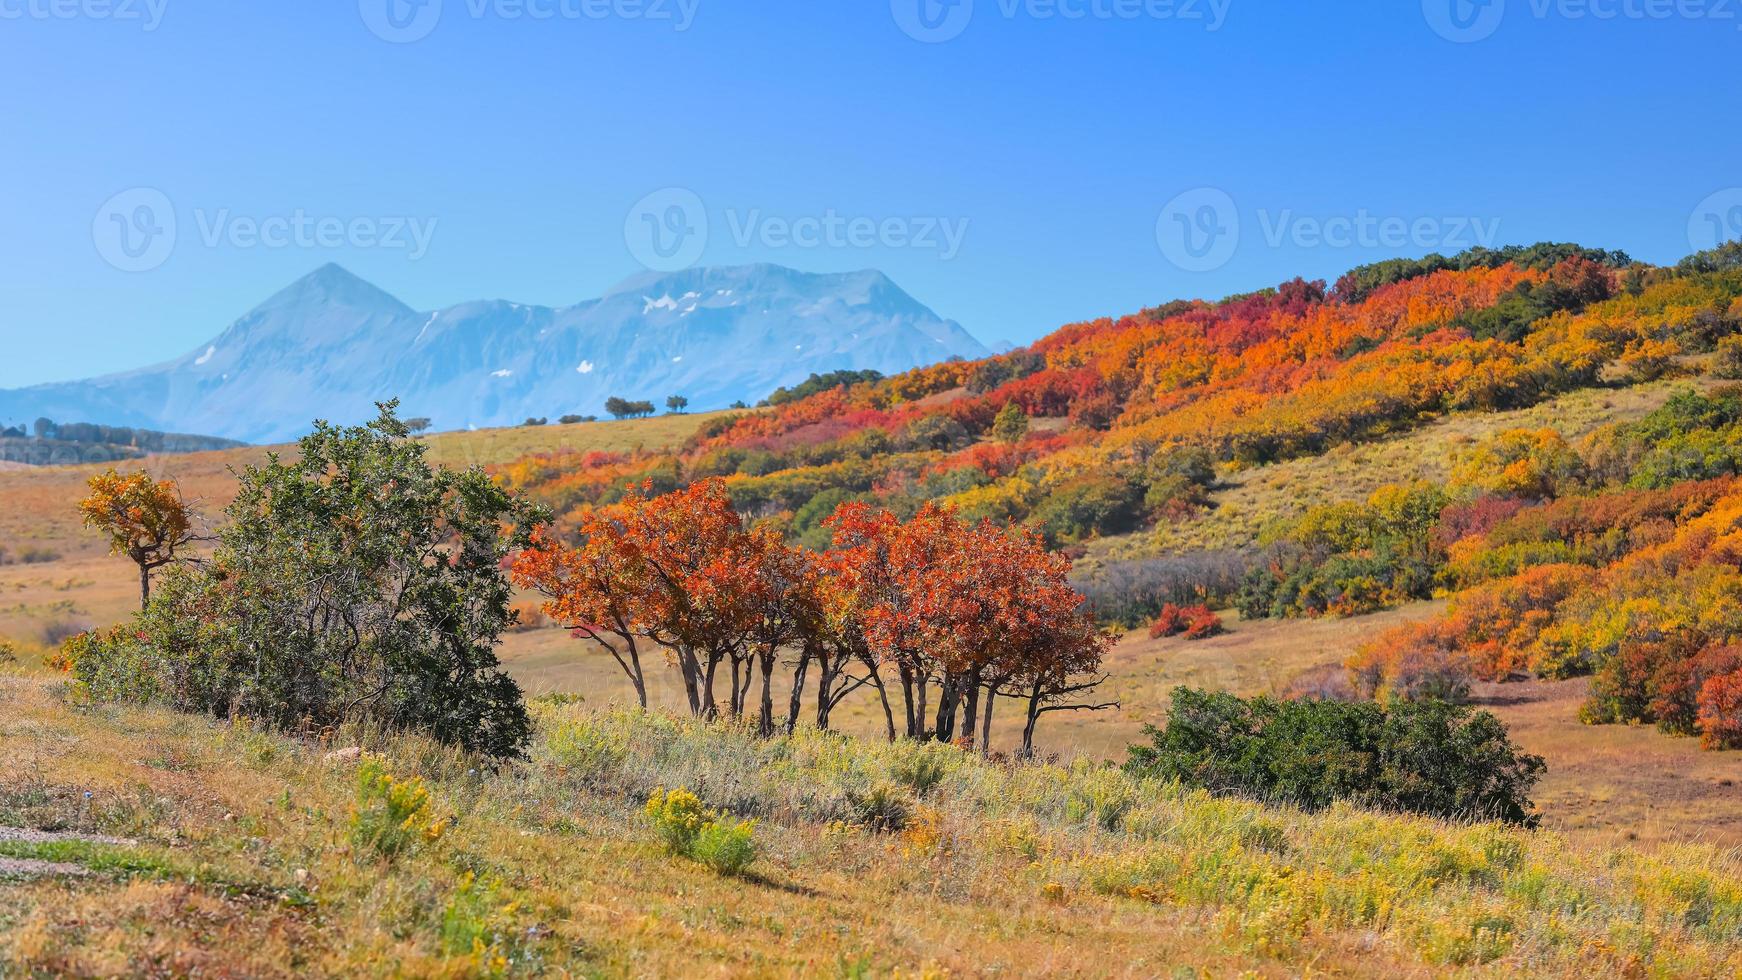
1605 784
247 866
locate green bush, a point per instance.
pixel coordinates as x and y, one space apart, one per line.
1178 482
356 583
1422 757
1088 506
690 830
922 769
882 809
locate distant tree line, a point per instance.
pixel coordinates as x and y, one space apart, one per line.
623 409
48 443
821 382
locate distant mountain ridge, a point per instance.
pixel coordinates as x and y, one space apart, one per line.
330 345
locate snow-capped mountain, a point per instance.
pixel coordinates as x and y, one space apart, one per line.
331 345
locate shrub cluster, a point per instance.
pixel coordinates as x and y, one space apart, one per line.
1350 558
1422 757
693 831
1192 622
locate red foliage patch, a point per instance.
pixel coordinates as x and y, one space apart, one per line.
1192 622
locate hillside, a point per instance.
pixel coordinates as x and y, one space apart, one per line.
332 345
163 844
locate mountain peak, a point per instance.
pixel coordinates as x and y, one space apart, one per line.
334 285
330 345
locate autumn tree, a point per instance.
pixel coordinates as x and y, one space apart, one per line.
594 589
974 610
890 561
963 612
695 549
781 601
144 519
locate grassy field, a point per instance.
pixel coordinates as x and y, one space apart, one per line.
163 845
1604 784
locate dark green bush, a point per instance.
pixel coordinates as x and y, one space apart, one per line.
1424 757
1087 506
356 583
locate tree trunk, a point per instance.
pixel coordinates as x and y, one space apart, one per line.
907 699
144 586
1033 719
919 732
797 702
710 707
826 674
686 664
733 707
636 676
949 698
986 721
765 721
883 694
971 706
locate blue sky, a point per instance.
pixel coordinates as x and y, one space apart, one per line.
1017 164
